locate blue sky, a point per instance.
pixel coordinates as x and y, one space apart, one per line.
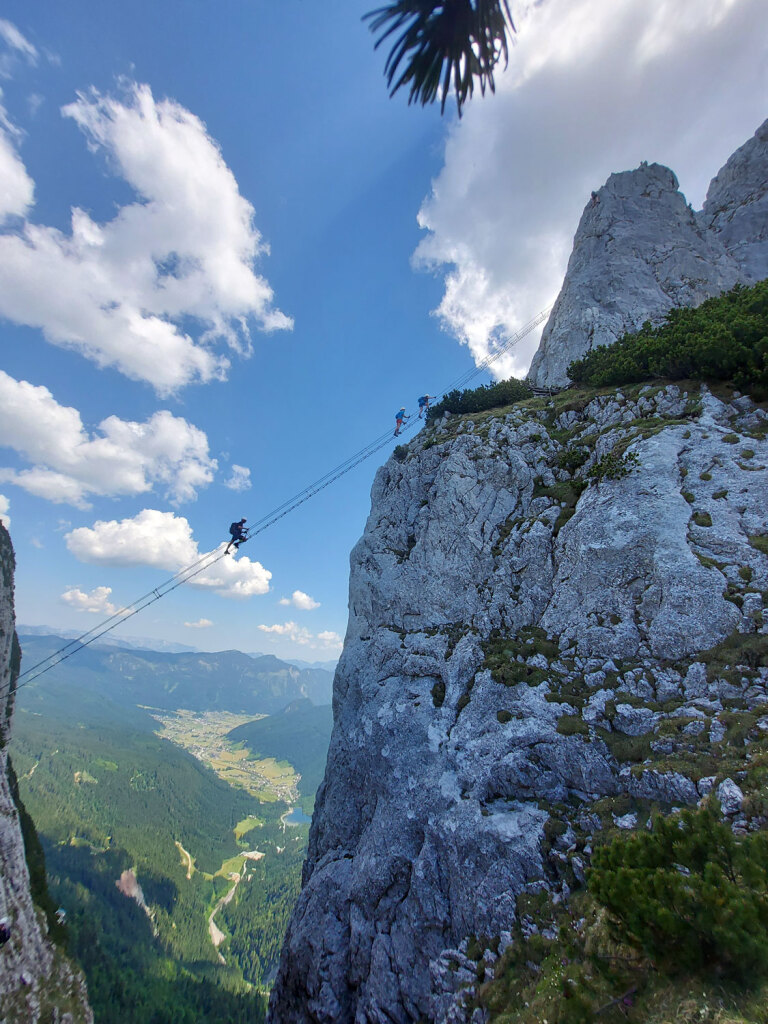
268 257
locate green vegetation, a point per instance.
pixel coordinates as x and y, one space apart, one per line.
725 338
488 396
299 734
689 895
614 466
673 927
702 518
108 796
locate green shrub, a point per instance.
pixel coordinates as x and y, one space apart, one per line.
613 466
730 439
725 338
400 453
488 396
438 694
571 459
690 895
572 725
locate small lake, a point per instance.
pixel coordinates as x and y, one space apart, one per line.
296 817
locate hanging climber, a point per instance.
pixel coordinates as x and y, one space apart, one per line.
239 535
400 418
424 405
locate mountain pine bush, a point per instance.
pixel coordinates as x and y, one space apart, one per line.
725 338
690 895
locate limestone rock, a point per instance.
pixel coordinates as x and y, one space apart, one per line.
639 250
730 796
736 207
37 983
482 617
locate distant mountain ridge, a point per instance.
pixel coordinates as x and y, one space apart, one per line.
195 680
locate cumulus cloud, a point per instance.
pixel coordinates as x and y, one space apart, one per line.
162 540
240 479
96 601
4 506
327 639
120 457
200 624
124 292
300 600
592 87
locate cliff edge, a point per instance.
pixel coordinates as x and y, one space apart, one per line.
37 982
554 611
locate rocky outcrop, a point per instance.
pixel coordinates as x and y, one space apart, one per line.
736 207
37 982
640 250
551 619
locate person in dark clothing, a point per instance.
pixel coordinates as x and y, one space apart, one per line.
5 930
237 530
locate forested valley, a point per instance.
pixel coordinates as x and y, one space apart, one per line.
169 843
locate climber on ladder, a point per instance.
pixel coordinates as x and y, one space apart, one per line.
400 418
424 405
239 535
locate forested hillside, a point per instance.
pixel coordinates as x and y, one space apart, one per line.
114 802
222 681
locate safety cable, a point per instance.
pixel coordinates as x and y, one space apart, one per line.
210 558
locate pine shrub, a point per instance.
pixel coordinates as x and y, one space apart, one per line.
690 895
725 339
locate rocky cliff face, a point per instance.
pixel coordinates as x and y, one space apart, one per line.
640 249
37 983
553 617
736 207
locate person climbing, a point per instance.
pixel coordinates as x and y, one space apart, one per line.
237 530
400 418
424 405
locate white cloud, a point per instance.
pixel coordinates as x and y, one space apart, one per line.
240 479
326 640
200 624
118 292
121 457
17 47
300 600
17 190
96 601
4 506
162 540
592 87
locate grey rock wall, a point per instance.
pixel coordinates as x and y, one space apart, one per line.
736 207
37 983
640 250
520 626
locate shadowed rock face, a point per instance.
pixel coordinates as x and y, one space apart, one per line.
37 983
736 207
640 250
491 584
